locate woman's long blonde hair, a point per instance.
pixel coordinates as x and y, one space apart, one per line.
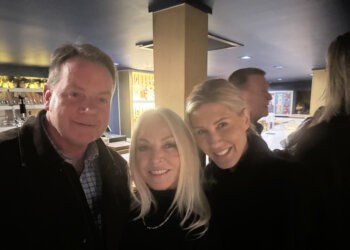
337 92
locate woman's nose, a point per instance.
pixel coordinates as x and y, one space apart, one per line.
157 156
214 138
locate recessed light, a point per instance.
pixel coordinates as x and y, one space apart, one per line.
279 79
278 66
245 57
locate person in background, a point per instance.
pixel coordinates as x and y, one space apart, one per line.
63 188
324 150
254 89
291 142
170 208
251 191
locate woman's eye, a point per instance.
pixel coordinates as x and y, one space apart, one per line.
200 132
222 124
142 148
170 145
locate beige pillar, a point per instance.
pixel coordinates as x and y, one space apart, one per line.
180 38
319 81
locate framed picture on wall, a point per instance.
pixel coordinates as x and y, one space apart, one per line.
281 103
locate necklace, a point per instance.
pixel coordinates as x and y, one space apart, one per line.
161 224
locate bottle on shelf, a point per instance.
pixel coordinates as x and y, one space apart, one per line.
22 108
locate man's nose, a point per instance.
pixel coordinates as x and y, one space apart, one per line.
88 105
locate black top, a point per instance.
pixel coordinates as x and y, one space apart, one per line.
169 235
252 202
325 149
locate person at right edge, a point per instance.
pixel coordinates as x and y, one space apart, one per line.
252 193
324 149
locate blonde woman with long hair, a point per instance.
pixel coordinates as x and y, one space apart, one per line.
170 209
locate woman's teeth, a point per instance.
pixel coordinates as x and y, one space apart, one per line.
158 172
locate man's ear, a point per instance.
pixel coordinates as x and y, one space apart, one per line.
47 96
246 117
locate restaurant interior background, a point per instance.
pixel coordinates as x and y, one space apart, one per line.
288 39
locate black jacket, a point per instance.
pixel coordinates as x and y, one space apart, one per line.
325 150
253 202
45 205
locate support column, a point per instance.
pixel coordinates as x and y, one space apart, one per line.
319 81
180 49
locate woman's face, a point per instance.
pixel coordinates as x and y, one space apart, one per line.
220 133
157 157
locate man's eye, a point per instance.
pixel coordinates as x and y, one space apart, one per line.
103 100
74 94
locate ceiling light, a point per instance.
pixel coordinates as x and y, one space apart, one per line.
245 57
214 43
278 66
279 79
145 45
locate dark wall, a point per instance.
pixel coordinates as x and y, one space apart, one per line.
296 86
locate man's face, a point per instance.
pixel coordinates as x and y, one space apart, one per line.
256 94
78 104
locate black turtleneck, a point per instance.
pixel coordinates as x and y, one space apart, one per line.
166 233
160 213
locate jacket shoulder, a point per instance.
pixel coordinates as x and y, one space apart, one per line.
8 139
9 135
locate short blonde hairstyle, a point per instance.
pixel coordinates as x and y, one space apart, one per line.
190 198
216 91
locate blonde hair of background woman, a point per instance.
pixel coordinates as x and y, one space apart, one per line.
337 92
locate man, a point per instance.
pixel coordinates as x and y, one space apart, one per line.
63 188
254 89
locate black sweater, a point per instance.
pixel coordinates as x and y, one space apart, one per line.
168 236
252 203
325 150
